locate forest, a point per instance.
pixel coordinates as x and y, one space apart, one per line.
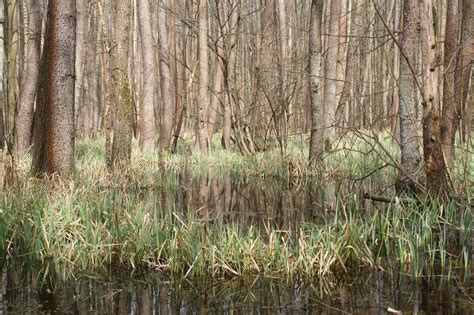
256 156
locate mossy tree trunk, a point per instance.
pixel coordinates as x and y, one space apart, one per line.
53 135
123 107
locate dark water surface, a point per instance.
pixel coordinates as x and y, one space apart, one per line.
373 293
257 202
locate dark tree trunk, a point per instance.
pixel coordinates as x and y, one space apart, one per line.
53 135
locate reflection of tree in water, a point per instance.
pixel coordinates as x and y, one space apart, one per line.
371 293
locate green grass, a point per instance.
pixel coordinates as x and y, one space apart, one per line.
106 221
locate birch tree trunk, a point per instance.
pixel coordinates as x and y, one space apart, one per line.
147 112
53 135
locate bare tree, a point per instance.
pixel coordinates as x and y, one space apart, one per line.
316 145
53 135
147 112
409 140
203 102
24 122
123 109
435 167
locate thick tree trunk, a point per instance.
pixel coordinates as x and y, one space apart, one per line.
316 145
147 112
203 102
409 142
123 108
167 123
24 123
54 118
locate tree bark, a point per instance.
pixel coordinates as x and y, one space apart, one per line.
81 47
123 109
316 145
147 112
167 123
449 106
24 123
11 50
330 85
203 103
409 145
435 167
53 135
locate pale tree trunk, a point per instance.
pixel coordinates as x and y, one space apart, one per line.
81 47
167 122
123 109
330 73
316 145
24 123
396 75
147 112
53 135
203 100
449 107
409 143
231 13
11 50
105 70
341 63
435 167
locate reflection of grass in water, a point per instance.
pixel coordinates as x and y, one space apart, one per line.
85 228
103 220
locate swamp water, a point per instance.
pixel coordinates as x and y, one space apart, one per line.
248 203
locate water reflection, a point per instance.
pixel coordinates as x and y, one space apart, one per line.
374 293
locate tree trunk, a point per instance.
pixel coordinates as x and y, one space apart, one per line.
464 65
449 107
435 167
147 112
167 123
203 102
330 85
123 108
24 123
81 47
316 145
409 145
11 50
53 135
